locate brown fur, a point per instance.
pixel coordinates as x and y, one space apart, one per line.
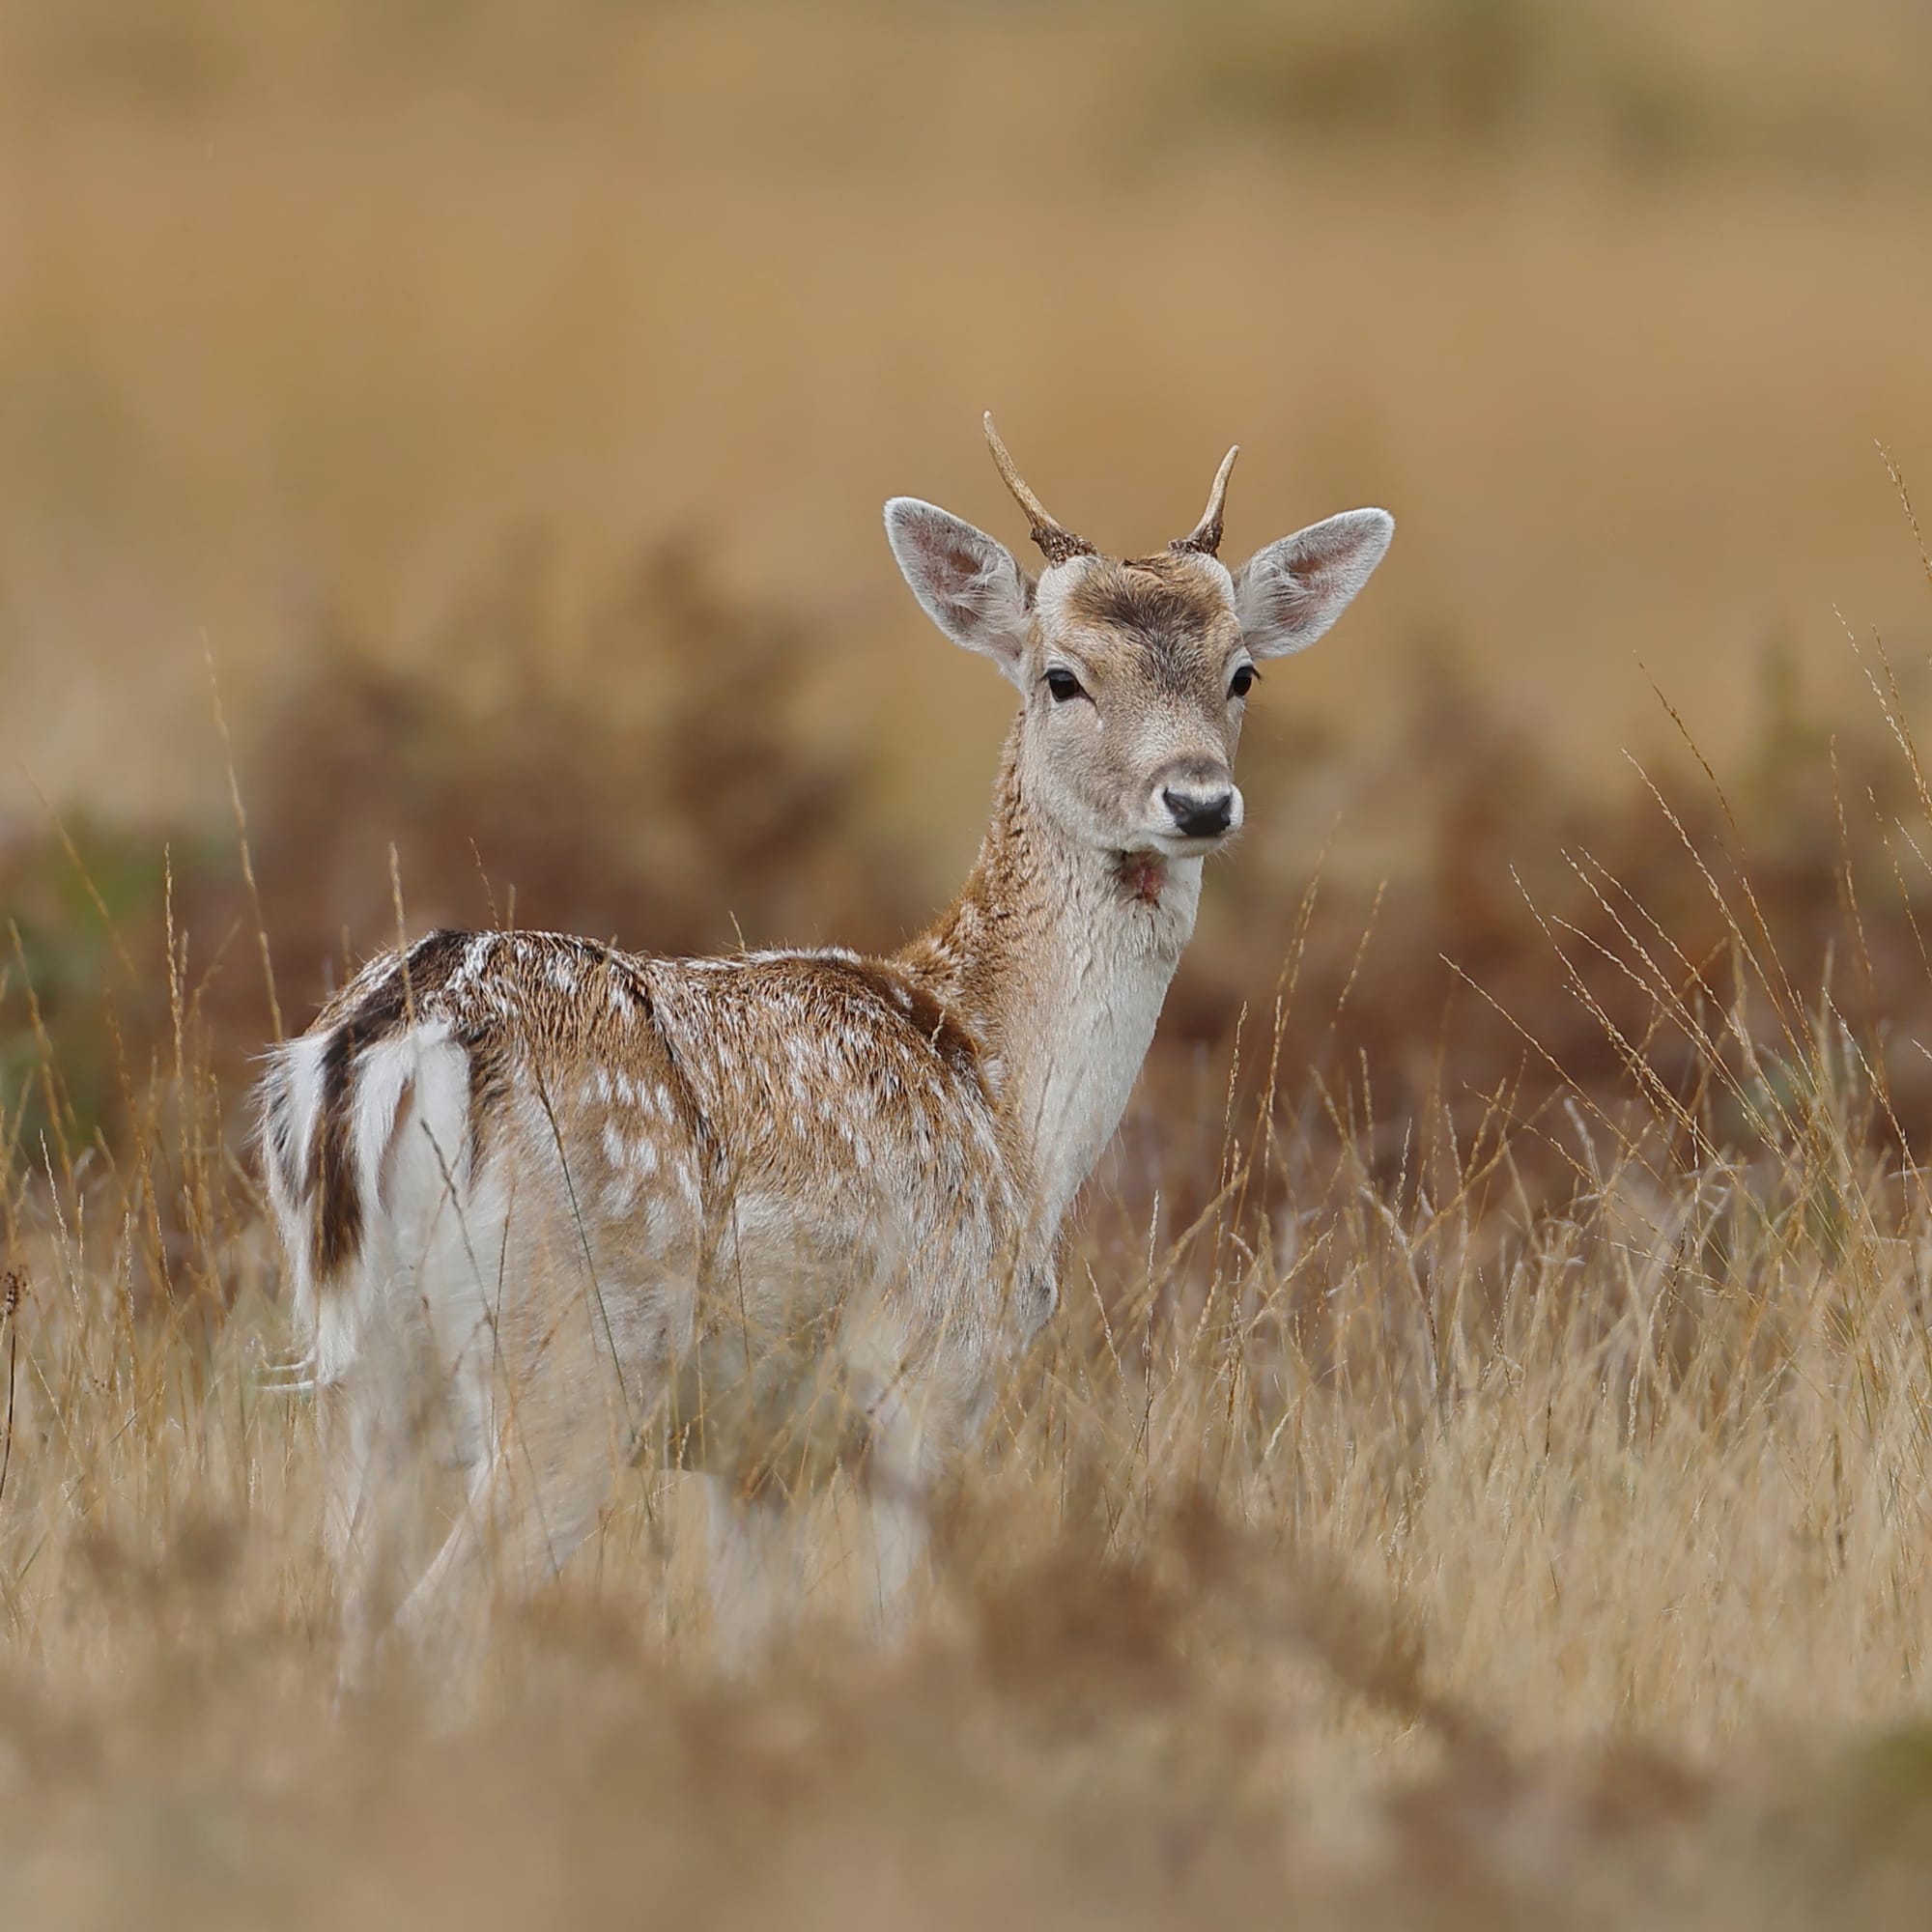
1164 608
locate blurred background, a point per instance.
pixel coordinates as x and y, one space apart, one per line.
493 404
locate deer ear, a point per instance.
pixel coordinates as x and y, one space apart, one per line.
1288 594
966 582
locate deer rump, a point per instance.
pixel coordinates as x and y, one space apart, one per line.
722 1211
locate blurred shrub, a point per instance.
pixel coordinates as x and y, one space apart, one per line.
68 893
647 772
1642 87
1547 939
1637 83
643 776
1464 70
674 803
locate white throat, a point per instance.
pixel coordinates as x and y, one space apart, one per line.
1103 967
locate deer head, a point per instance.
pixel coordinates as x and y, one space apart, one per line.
1133 672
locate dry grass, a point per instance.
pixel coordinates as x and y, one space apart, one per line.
1522 1523
1479 1474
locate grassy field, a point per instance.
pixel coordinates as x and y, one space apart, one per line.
1479 1474
1389 1533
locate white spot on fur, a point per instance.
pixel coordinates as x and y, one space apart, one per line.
419 1209
301 1063
475 959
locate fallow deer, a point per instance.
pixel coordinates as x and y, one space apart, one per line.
767 1215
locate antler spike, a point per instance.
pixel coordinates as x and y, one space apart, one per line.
1056 543
1204 539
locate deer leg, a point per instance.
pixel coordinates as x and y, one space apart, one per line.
896 1496
359 1554
381 1429
547 1442
530 1507
899 1539
755 1571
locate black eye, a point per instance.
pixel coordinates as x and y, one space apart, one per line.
1064 685
1242 682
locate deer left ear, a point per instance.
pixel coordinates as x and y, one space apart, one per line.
1288 594
966 582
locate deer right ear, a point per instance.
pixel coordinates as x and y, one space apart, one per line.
966 582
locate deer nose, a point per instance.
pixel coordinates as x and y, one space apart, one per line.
1201 815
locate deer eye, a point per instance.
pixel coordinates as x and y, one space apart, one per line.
1064 685
1242 682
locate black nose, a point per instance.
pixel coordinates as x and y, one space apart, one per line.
1200 815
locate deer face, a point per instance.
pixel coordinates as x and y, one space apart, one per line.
1135 677
1133 673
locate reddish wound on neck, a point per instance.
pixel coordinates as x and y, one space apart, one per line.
1144 874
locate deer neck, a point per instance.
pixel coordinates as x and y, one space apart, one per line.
1058 955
